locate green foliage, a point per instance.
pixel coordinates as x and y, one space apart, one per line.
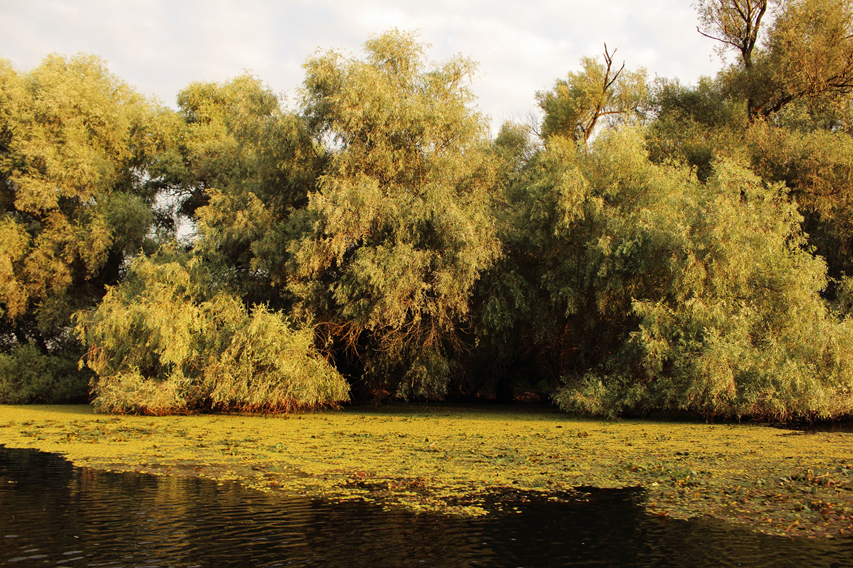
238 168
575 105
75 141
168 340
28 376
235 137
817 167
695 125
716 305
806 53
809 54
805 145
623 269
389 248
734 23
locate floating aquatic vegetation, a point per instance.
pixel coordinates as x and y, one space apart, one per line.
451 459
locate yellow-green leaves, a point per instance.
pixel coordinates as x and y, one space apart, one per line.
73 132
806 53
14 244
234 137
734 23
817 167
168 341
423 256
239 165
400 228
810 52
729 318
74 142
599 92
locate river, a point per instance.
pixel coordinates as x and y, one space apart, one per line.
55 514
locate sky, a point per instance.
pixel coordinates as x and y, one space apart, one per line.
160 46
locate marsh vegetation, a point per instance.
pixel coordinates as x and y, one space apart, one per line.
454 460
647 246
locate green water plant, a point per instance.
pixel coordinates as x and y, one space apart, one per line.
447 458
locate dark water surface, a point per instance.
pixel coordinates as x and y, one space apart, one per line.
53 514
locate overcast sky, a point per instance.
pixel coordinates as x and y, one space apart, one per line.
159 46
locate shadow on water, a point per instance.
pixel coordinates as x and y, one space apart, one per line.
54 514
845 426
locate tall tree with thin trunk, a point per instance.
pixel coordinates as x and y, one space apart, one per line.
806 53
585 99
734 23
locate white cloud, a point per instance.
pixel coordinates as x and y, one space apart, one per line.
160 46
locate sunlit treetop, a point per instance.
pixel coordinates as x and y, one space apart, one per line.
399 230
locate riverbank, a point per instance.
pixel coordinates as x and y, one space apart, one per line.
451 458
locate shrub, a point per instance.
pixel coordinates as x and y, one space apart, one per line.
29 376
167 341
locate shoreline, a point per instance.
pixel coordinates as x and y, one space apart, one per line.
447 458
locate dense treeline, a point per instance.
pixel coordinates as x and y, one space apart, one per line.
648 246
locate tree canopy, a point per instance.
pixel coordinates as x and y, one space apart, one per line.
76 203
170 339
598 92
399 229
647 247
805 54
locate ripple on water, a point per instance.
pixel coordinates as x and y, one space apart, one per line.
52 513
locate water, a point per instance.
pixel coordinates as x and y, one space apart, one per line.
53 514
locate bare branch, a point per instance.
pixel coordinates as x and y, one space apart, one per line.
733 23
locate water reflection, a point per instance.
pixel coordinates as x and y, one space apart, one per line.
54 514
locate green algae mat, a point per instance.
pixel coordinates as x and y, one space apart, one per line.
452 458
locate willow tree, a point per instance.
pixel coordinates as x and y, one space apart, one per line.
74 144
389 247
172 339
235 136
238 165
668 293
734 23
805 53
783 106
600 93
809 55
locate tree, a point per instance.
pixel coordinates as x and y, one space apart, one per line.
666 293
810 53
388 249
784 109
239 166
806 54
234 136
734 23
74 145
695 125
575 105
172 339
